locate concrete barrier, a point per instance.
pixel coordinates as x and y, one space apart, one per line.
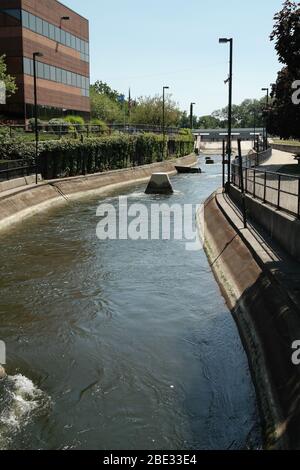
159 184
287 148
18 182
27 201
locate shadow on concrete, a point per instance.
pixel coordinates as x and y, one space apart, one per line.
269 323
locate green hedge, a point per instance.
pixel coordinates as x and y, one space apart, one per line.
91 155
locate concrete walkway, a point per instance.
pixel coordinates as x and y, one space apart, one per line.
278 159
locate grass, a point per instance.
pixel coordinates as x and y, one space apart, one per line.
287 142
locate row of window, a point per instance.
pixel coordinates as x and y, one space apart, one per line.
56 74
36 24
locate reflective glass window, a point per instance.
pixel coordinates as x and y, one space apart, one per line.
32 24
51 31
39 26
46 28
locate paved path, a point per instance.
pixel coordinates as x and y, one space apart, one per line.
278 159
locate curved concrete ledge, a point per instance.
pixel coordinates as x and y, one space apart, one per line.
28 201
266 317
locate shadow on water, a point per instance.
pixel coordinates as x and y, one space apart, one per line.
130 343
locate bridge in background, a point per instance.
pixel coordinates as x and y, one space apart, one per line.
218 135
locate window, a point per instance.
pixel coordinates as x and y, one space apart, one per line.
73 41
63 37
46 72
78 44
51 32
53 73
25 19
39 26
74 81
86 49
40 70
27 66
69 78
45 28
68 39
58 75
32 24
64 76
57 34
79 81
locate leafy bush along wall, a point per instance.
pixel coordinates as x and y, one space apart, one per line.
72 157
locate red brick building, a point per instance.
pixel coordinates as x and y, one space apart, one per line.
62 36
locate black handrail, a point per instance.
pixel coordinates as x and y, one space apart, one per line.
17 172
256 178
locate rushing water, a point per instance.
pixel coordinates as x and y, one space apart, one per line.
118 344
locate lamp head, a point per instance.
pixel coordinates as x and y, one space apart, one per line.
65 18
38 54
223 40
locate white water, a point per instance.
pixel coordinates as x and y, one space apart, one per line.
21 399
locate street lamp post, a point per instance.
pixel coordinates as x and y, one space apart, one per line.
164 120
35 55
192 115
266 130
254 125
229 147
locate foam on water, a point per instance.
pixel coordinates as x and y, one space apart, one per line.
19 400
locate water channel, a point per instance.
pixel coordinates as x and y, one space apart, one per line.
119 344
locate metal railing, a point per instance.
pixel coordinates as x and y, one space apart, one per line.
12 172
277 189
88 130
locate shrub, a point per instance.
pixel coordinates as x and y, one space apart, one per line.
59 126
32 123
99 124
75 157
75 120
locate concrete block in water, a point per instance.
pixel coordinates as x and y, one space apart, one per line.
159 184
2 373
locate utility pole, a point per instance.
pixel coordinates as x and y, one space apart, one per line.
164 121
229 146
35 55
266 130
192 116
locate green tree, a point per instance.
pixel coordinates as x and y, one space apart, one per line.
244 115
10 82
284 113
103 88
148 110
105 106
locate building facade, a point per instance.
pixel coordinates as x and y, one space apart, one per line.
62 37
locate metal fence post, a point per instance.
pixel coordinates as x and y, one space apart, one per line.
298 213
254 182
279 187
265 186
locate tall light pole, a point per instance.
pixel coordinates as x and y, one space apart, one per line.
267 101
35 55
229 147
192 115
164 120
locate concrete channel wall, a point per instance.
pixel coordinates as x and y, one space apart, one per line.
27 201
267 319
287 148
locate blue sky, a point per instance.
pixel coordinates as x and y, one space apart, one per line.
147 44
